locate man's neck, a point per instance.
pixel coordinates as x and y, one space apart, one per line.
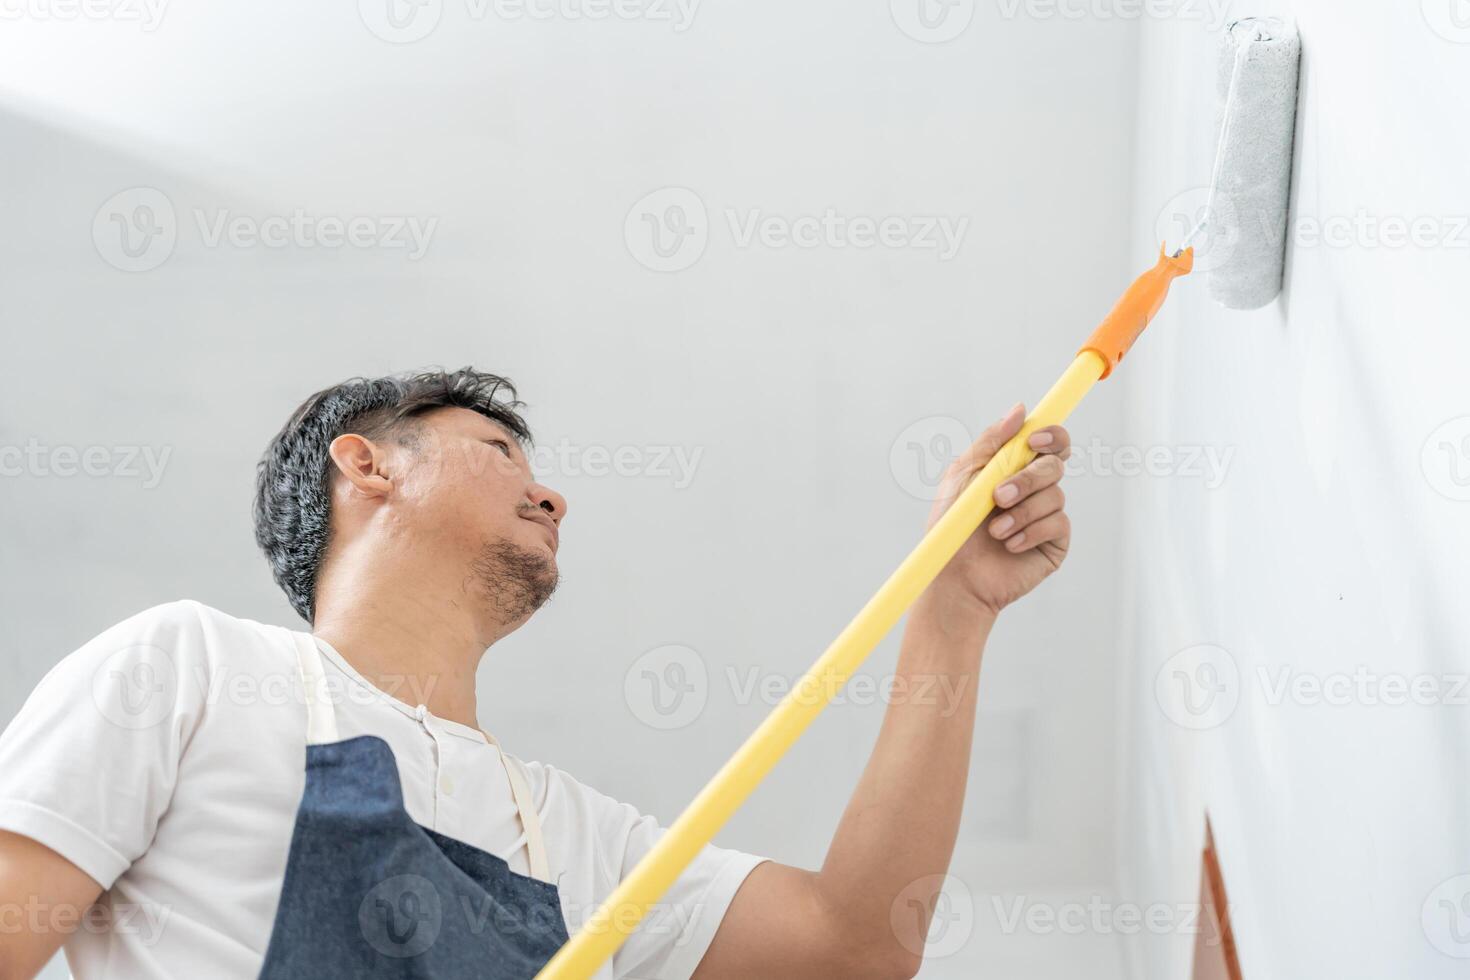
416 650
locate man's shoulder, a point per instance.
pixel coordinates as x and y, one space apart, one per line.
186 615
556 790
188 630
176 657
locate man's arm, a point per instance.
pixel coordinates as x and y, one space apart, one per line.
43 897
867 912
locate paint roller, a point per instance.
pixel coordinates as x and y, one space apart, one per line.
1245 218
1247 210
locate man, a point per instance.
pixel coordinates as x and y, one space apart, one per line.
156 820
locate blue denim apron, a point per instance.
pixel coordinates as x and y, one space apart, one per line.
370 893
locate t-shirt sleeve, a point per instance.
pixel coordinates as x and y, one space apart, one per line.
673 937
88 765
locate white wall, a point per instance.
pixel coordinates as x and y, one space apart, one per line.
797 373
1334 550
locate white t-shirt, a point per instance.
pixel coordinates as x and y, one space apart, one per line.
166 758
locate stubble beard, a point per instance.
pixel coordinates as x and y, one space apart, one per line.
515 580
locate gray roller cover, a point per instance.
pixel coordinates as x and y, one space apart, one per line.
1253 185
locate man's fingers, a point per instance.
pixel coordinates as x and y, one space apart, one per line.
994 437
1040 473
1052 445
1054 527
1039 505
1054 440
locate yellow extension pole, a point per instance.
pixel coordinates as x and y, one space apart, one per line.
617 918
611 925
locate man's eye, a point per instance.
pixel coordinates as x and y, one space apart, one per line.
504 446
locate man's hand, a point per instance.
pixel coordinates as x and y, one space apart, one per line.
1026 537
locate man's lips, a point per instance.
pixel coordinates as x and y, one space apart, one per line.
550 525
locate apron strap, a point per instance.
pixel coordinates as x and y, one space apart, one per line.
321 717
530 820
321 728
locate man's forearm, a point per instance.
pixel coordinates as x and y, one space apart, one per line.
898 833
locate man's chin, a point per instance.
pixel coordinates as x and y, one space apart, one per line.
515 580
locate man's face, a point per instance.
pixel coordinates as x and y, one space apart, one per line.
467 493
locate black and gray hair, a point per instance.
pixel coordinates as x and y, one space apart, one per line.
294 477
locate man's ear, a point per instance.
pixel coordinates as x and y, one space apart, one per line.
362 464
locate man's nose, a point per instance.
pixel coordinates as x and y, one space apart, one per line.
548 500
